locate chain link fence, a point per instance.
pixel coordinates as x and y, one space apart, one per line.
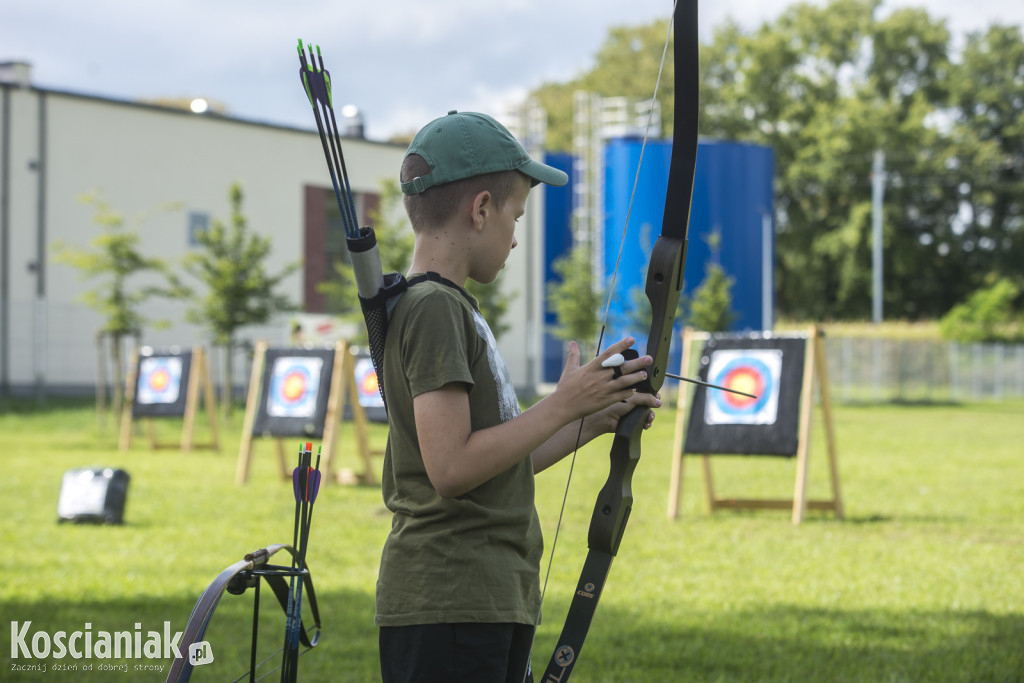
866 370
53 350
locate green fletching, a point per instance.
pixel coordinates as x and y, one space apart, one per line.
327 83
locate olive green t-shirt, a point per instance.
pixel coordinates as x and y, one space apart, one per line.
474 558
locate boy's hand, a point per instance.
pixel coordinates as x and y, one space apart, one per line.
607 420
591 388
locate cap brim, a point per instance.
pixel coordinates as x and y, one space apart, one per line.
542 173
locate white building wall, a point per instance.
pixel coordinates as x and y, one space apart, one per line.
143 159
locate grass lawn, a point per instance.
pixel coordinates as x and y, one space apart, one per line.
923 581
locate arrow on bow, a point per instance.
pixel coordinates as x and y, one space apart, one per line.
664 285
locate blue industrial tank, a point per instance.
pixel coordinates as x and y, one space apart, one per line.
732 200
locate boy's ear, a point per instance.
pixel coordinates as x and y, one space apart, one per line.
480 208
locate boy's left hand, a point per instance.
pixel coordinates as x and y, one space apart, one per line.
607 420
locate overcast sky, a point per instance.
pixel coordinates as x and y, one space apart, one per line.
402 62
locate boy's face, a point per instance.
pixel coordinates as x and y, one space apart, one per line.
499 235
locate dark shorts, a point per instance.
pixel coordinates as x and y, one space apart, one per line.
456 653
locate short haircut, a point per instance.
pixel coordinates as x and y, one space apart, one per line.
436 205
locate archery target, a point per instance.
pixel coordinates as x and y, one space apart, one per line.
367 384
159 380
294 386
754 371
771 368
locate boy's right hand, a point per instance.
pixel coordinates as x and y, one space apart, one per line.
589 388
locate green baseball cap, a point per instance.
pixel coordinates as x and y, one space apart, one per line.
467 144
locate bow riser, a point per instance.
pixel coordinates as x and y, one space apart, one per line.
664 286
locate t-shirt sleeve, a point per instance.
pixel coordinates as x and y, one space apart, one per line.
435 344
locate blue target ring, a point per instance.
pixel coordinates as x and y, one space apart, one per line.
743 374
292 386
159 380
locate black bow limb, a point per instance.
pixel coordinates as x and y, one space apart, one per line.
663 288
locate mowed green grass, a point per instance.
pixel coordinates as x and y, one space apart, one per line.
923 580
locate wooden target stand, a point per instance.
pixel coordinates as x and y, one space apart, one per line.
198 381
814 375
342 388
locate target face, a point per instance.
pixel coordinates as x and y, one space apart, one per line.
159 380
366 384
294 386
754 371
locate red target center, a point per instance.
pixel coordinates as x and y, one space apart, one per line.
294 386
743 379
370 385
159 379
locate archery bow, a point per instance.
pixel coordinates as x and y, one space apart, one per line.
235 579
247 572
664 285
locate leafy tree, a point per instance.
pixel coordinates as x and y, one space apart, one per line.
827 86
991 314
115 259
626 65
711 308
987 105
575 299
240 292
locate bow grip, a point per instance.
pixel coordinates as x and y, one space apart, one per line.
614 502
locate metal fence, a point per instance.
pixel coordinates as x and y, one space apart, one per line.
53 351
865 370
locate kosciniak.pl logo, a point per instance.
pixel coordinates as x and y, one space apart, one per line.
89 644
200 653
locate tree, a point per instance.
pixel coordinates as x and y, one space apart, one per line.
115 259
626 65
239 290
827 86
990 314
575 299
987 106
711 308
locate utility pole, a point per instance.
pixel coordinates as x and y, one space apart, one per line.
877 192
767 271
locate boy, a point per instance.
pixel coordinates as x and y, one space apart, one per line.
458 593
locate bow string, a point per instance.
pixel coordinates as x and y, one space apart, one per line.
663 287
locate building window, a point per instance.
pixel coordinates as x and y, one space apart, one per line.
198 222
